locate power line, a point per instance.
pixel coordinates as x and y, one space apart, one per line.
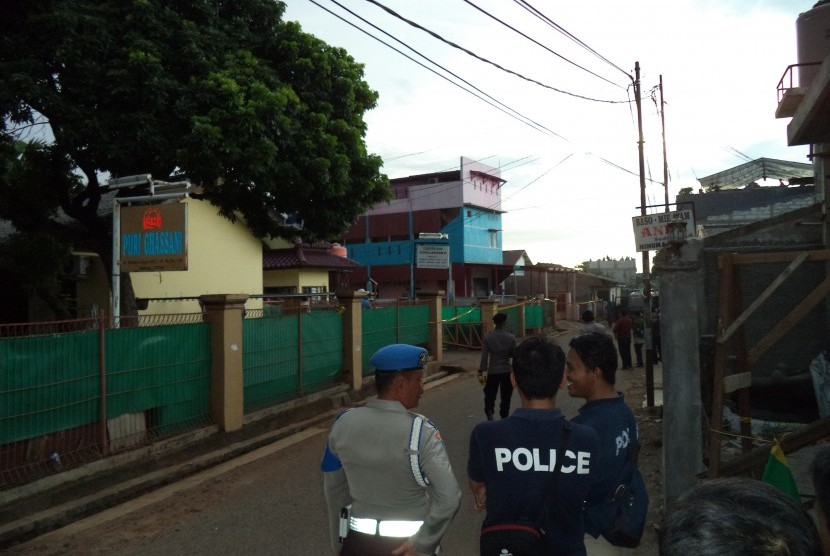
549 21
485 60
515 115
531 123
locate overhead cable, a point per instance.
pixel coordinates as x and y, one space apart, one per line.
515 115
485 60
549 21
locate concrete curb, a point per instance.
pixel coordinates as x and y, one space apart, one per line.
39 523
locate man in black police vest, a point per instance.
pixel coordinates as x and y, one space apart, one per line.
511 460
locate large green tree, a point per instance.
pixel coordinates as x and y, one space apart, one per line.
266 118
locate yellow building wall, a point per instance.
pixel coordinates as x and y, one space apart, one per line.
297 278
223 258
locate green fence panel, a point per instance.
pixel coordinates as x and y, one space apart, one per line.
322 350
414 324
459 321
48 384
163 370
270 360
533 316
380 328
461 314
512 319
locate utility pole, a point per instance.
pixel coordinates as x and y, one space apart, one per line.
665 162
646 262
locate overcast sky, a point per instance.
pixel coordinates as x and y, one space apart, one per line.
565 132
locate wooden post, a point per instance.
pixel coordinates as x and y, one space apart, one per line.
488 309
727 278
522 324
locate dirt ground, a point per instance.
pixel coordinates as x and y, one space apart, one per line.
651 460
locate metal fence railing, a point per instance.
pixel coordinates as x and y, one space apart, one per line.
287 354
75 391
404 322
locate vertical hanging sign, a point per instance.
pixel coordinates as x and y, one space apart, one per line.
154 237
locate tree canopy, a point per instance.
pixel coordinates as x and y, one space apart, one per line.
266 118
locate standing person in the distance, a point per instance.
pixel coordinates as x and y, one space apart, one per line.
511 461
622 332
638 333
590 325
657 345
496 351
387 478
591 372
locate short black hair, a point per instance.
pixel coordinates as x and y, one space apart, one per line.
384 379
538 365
597 350
587 315
821 482
738 516
500 318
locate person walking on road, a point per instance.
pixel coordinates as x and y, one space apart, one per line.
590 325
511 461
496 351
622 332
387 478
591 372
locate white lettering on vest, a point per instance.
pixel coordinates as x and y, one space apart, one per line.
622 441
523 459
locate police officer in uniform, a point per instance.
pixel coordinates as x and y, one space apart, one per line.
387 478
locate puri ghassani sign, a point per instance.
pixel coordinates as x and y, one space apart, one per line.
154 238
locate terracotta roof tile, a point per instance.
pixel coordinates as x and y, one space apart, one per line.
304 256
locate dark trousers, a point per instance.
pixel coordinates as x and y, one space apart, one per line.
361 544
638 350
493 384
625 352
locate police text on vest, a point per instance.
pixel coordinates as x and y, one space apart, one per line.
524 459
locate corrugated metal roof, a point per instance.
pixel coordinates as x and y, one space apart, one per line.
762 168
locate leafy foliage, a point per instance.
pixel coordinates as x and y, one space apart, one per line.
266 118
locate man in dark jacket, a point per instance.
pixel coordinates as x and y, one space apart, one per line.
496 351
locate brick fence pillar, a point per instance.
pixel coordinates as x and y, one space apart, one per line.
224 313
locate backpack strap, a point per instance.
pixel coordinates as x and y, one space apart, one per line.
550 490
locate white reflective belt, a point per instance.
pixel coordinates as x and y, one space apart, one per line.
387 528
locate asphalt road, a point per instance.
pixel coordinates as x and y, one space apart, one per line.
269 501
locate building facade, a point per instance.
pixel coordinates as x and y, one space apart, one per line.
441 231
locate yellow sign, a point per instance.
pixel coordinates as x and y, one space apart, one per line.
154 237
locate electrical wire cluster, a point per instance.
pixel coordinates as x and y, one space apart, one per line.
621 80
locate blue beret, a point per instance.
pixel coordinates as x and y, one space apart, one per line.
399 357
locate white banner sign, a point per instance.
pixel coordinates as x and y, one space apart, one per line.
432 255
651 231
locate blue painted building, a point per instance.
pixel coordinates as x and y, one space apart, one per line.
407 244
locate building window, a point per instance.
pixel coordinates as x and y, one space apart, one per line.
493 239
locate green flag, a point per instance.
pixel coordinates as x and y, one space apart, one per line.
777 472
